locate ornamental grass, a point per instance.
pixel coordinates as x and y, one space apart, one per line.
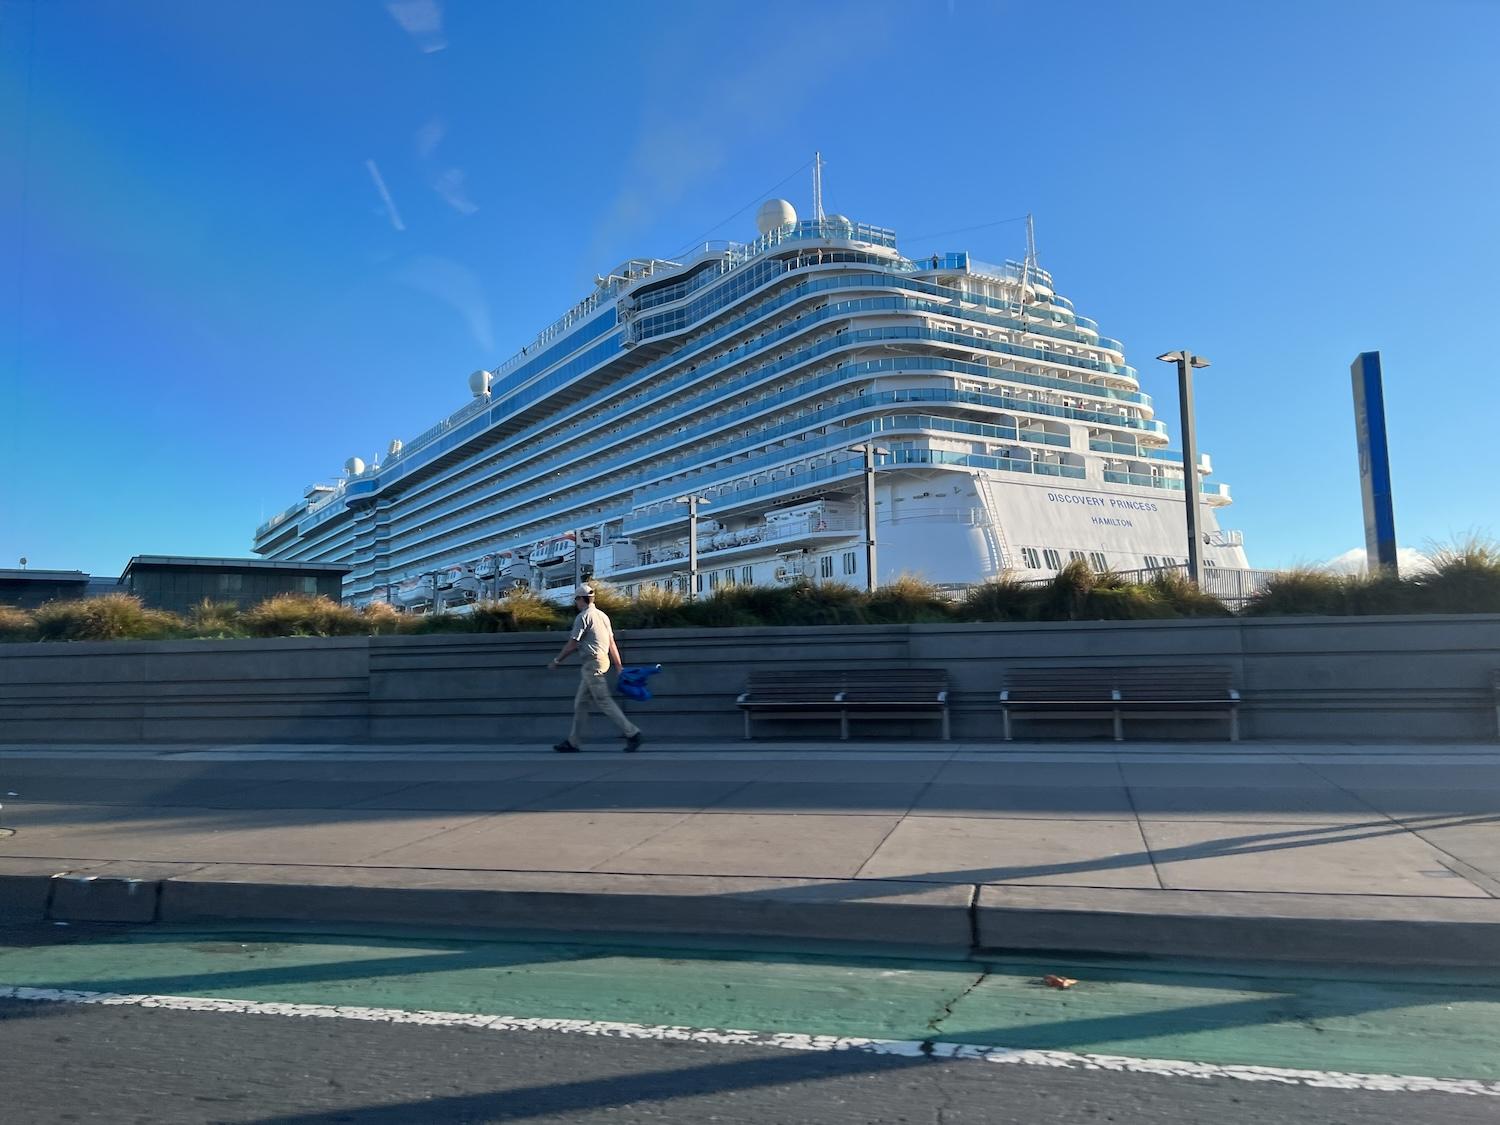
113 617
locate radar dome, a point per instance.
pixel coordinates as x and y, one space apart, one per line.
775 213
354 466
479 383
839 220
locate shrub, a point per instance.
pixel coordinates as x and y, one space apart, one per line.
1465 578
1000 599
381 618
110 618
441 622
826 603
728 607
750 606
1066 597
302 615
1304 590
215 619
531 612
16 624
1183 598
908 600
652 609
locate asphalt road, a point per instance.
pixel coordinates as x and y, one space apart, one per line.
71 1063
278 1061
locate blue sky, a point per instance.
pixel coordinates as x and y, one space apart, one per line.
241 242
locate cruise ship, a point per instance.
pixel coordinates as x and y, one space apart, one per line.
1003 432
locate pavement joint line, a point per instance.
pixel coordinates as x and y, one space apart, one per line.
937 1050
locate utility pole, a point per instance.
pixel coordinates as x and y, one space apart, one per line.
1185 362
692 502
871 451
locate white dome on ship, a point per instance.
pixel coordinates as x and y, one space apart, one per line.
354 466
775 213
841 220
479 383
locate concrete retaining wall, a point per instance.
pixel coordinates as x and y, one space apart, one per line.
1371 678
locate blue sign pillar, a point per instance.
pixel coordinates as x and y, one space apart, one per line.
1374 463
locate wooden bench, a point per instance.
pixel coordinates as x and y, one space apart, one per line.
1119 691
881 691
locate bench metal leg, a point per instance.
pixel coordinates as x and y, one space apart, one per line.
947 732
1234 723
844 725
1005 716
1119 727
747 724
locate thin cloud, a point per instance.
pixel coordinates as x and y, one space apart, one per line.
422 20
450 186
456 286
428 137
683 143
390 204
449 183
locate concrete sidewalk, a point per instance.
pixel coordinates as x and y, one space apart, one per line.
1337 852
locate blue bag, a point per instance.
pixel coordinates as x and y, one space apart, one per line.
632 681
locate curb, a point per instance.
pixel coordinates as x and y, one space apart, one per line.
943 917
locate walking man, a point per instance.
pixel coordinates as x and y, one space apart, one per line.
594 637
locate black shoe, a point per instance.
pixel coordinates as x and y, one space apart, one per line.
565 747
633 743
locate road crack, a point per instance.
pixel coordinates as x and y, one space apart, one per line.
947 1010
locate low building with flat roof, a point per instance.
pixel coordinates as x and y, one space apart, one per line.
177 583
28 589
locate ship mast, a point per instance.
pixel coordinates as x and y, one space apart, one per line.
818 186
1029 266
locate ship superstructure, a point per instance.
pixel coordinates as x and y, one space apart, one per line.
1012 436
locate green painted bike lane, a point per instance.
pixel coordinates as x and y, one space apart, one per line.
1441 1024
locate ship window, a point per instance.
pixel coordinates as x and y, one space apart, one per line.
1152 561
700 583
1097 561
851 563
1209 562
729 576
1051 558
827 566
1075 556
1029 557
745 575
713 580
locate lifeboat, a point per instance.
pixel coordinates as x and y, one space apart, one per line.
558 549
493 564
413 591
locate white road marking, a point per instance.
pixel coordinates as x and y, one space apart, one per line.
909 1048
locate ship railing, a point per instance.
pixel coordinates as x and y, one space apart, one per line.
793 427
677 320
1143 480
442 427
738 491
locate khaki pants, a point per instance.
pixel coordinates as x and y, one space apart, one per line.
593 690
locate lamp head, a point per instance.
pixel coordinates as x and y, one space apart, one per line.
1184 357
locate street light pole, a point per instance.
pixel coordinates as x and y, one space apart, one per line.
871 451
1185 362
692 502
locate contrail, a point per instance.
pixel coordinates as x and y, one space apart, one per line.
390 204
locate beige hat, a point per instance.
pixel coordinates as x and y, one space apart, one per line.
583 592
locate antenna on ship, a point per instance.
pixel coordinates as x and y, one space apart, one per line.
818 186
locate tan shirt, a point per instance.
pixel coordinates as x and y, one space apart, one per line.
593 632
